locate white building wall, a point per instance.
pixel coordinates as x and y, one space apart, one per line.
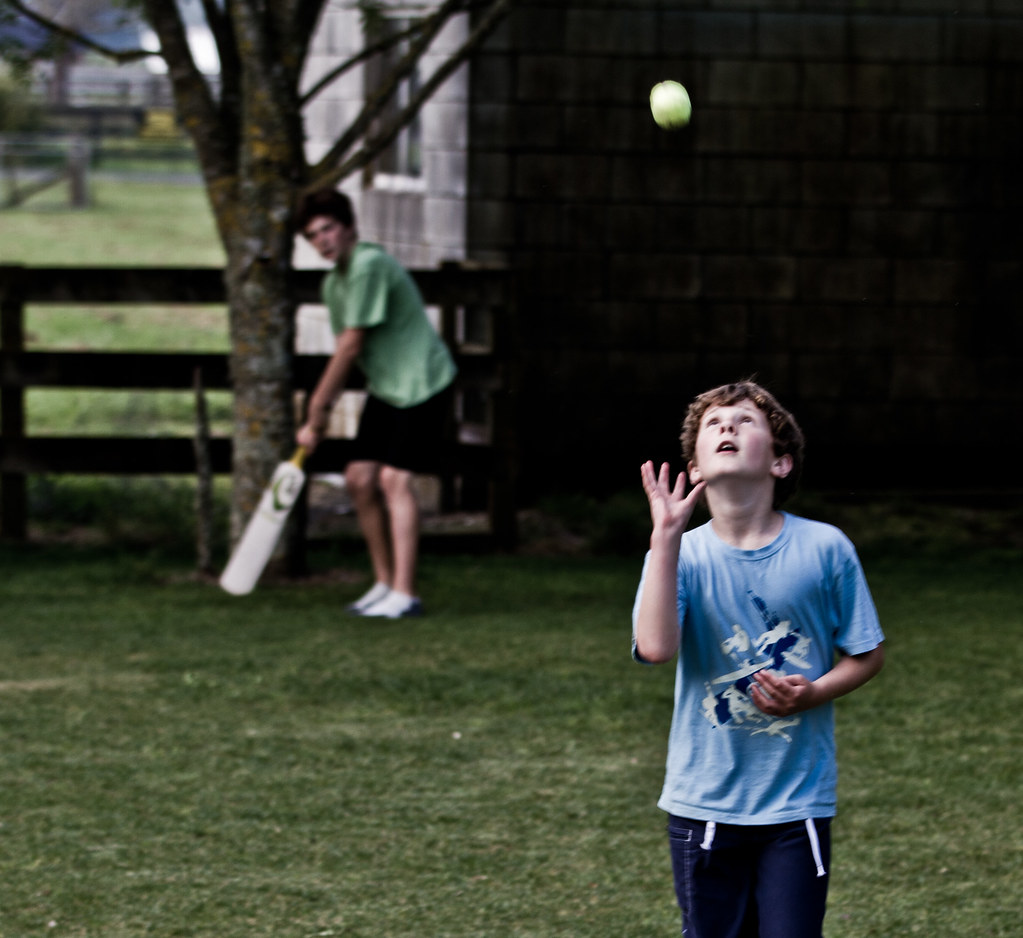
422 222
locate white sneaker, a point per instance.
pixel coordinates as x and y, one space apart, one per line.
394 605
373 595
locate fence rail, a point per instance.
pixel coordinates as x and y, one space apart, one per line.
480 448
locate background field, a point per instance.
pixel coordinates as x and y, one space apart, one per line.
130 223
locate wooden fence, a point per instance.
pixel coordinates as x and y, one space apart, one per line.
476 312
30 165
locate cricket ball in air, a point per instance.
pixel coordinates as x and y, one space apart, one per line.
670 105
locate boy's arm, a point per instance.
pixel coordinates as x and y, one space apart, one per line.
781 695
657 628
332 381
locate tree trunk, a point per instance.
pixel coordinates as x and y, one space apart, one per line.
262 349
253 208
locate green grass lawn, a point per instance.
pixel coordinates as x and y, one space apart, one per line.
180 762
129 224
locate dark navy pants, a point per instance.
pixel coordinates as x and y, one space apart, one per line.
734 881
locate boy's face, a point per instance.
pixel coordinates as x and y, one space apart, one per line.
332 240
735 442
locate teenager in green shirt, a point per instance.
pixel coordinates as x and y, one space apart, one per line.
380 325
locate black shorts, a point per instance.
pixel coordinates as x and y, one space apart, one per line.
409 438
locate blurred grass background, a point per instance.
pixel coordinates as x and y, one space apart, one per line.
130 223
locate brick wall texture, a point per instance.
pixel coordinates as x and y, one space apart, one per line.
840 218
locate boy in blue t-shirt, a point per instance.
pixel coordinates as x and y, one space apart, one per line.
771 619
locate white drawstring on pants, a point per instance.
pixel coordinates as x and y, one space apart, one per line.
815 846
811 831
708 835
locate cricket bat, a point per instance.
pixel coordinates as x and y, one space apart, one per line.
264 528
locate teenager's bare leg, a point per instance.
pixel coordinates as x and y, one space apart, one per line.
403 508
361 480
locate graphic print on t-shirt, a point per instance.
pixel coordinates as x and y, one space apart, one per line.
728 702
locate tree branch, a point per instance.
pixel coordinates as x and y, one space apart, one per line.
222 29
195 104
304 18
71 35
381 45
378 101
223 36
325 177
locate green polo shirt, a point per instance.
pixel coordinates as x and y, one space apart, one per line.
403 358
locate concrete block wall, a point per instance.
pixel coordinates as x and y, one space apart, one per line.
841 218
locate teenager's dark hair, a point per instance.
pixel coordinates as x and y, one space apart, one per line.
788 438
327 202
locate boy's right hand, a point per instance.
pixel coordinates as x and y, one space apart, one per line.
670 506
308 436
656 625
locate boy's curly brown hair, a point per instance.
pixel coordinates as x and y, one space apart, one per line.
788 438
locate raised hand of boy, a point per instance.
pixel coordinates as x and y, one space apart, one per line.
670 506
657 632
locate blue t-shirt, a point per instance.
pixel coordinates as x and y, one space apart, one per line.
788 606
